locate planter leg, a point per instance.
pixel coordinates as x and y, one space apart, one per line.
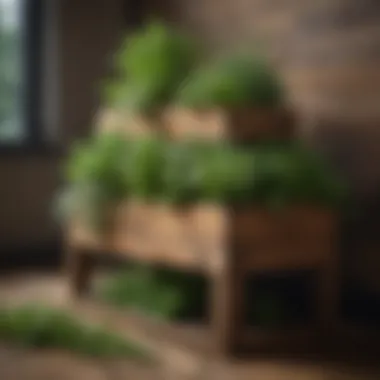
227 310
79 266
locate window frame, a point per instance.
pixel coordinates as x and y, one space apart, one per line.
32 29
32 17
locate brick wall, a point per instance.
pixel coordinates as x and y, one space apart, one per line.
328 52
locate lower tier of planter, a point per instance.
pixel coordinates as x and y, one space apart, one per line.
225 244
208 238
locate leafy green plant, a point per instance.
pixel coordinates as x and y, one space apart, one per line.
138 288
146 158
180 173
291 174
96 173
268 175
100 160
150 66
160 293
110 169
38 326
85 202
236 81
225 173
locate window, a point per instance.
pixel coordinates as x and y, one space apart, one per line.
19 71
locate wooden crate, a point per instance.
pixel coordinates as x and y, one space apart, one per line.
127 123
202 237
240 125
249 125
225 244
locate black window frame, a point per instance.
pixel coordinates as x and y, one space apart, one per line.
32 24
32 17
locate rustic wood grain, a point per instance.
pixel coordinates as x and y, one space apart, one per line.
245 125
222 242
127 123
203 236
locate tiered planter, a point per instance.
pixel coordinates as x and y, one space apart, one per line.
198 238
245 125
224 243
119 121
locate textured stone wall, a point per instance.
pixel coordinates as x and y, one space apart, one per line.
328 52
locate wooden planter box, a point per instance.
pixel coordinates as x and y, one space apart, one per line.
249 125
225 244
125 123
241 125
203 236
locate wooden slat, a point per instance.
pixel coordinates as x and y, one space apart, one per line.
327 16
335 80
126 123
241 125
199 238
360 45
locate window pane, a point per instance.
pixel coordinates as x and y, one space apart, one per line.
12 126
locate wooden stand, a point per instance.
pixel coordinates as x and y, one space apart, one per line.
223 244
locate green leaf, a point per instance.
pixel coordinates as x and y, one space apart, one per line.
151 65
233 82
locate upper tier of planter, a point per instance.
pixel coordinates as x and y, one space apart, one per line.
238 125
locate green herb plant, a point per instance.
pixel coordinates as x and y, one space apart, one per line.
110 169
158 292
139 288
96 176
233 82
150 66
35 326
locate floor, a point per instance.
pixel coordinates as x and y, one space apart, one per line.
18 364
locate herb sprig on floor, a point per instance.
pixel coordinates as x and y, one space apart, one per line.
34 326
